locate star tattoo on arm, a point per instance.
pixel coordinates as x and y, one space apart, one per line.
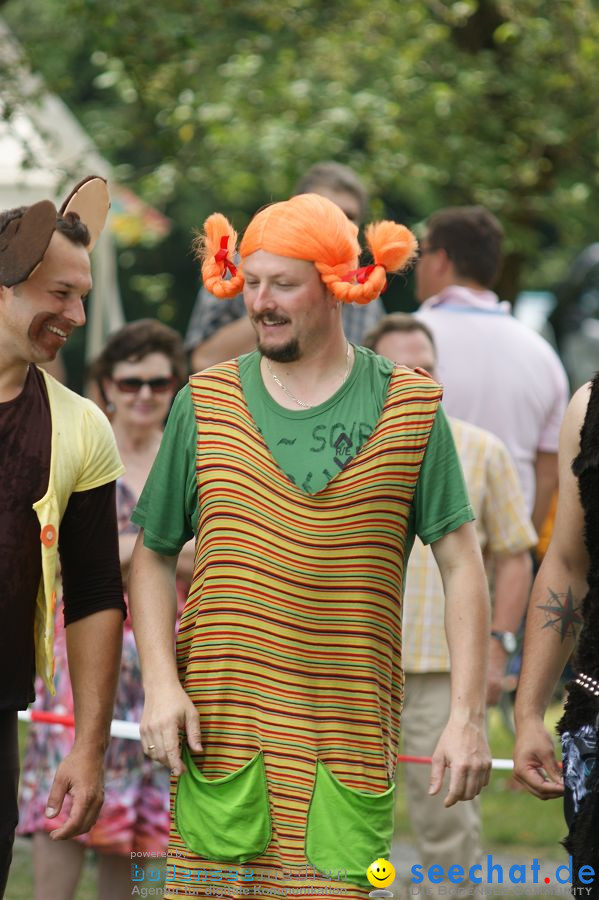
562 613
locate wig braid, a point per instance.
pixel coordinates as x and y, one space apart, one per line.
336 280
207 246
392 246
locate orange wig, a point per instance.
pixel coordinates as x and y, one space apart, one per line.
312 228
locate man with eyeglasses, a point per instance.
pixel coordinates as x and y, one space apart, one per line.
58 466
220 329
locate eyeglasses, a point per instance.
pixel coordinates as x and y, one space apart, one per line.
133 385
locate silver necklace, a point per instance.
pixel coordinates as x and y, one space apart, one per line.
291 396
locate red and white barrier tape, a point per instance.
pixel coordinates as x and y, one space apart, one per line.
130 730
118 727
426 760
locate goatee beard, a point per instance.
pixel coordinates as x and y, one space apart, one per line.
289 352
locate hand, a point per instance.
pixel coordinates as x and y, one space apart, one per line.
80 775
168 712
418 369
421 371
535 765
463 749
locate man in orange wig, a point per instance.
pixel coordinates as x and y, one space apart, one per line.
304 469
220 329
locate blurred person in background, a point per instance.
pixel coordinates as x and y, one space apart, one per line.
496 372
220 329
452 836
138 373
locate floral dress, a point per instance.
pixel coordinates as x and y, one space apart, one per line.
135 814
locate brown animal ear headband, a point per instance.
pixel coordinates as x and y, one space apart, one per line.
25 239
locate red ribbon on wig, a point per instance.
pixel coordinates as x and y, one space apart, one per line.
362 275
222 256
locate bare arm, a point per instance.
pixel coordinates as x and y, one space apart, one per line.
228 342
167 710
513 577
126 545
463 745
546 478
553 619
186 561
94 653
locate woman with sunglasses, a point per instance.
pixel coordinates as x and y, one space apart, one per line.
137 374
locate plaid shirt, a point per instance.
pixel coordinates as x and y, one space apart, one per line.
502 524
209 314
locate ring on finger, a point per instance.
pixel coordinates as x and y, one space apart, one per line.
151 746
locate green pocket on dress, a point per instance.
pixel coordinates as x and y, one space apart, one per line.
347 829
224 819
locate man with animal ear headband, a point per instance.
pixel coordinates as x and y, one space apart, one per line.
304 468
58 465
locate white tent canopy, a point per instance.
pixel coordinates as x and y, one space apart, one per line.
43 153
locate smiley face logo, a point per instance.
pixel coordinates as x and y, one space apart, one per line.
380 873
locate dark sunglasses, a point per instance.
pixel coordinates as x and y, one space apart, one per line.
133 385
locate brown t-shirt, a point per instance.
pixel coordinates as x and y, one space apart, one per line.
88 541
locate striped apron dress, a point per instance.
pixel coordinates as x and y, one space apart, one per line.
290 648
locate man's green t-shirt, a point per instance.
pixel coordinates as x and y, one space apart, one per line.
310 446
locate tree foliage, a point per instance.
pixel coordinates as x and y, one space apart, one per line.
221 104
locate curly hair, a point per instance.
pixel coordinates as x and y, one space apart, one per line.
136 340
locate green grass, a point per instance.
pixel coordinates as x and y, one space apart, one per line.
512 819
514 822
20 881
512 816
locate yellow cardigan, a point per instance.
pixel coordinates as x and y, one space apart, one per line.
83 455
